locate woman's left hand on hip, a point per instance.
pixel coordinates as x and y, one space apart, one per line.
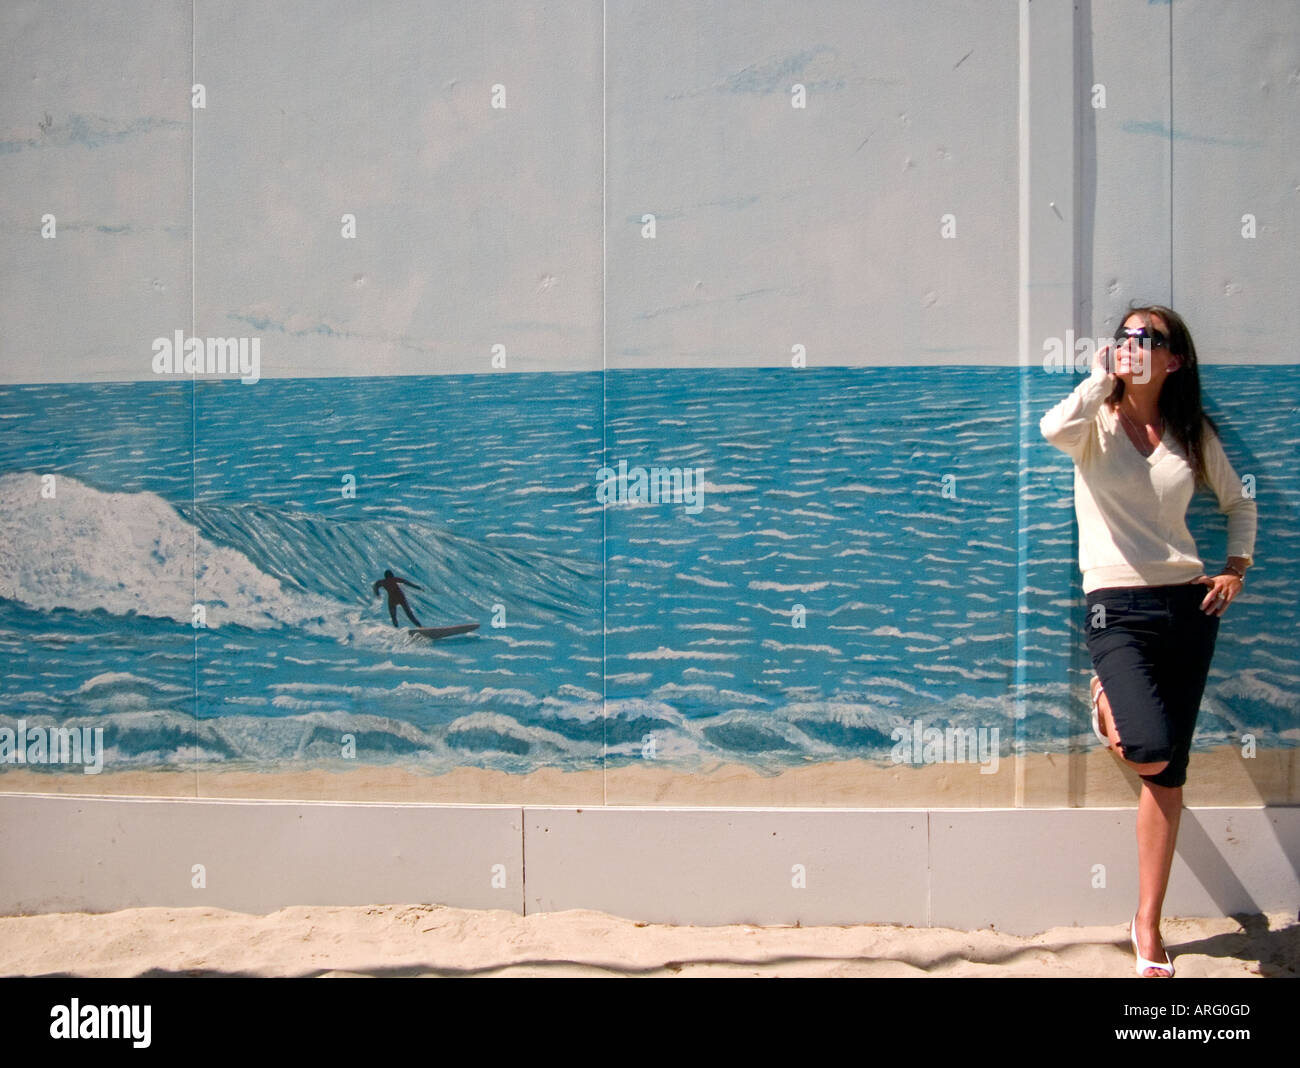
1223 591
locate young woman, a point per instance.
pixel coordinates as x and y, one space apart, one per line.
1141 445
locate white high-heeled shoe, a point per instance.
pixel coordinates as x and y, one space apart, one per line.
1166 966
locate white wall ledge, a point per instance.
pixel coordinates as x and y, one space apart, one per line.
1017 870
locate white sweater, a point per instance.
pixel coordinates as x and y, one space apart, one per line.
1132 509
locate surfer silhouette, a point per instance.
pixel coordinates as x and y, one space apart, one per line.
393 587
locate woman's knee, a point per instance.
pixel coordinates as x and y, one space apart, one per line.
1153 768
1143 768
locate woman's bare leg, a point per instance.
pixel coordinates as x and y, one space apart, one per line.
1160 809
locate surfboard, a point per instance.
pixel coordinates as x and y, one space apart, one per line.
434 633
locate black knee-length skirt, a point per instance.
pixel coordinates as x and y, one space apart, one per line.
1151 647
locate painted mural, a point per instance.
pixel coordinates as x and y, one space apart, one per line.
803 593
647 441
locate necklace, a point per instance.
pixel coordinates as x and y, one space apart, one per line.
1141 431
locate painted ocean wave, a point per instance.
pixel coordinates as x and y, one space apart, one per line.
315 732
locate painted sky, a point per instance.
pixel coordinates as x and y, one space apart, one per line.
776 226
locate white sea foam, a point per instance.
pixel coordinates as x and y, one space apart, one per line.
894 632
781 587
703 692
664 653
131 553
703 581
829 650
114 679
727 487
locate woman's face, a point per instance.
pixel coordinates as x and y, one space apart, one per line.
1136 361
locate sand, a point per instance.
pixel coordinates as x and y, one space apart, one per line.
435 940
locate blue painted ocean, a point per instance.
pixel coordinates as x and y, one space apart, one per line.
874 546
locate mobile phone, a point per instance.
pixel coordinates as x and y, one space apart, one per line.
1107 357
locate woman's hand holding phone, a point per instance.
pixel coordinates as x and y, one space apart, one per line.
1105 359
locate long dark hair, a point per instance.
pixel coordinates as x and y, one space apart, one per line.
1180 396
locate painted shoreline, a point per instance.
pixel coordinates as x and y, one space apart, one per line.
1089 779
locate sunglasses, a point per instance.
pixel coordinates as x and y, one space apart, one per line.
1142 335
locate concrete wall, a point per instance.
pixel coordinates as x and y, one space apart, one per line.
959 182
942 868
